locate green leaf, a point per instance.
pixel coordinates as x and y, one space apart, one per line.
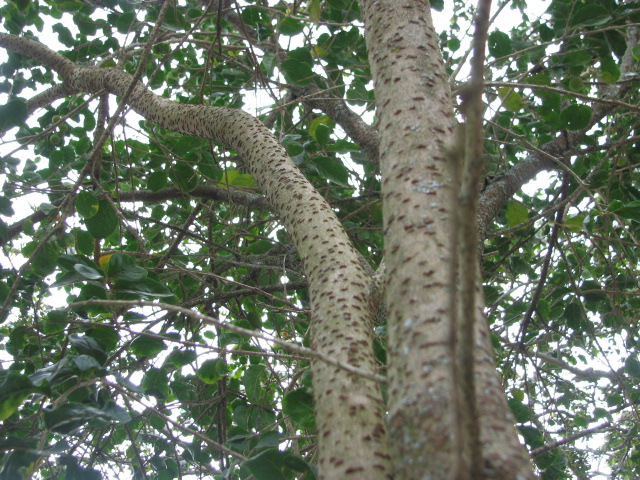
252 380
254 16
576 84
590 16
44 262
212 370
115 412
120 263
87 272
4 237
610 70
576 59
272 464
546 33
631 210
146 287
322 122
64 35
104 222
298 404
69 417
68 278
322 134
13 392
332 170
259 247
581 421
22 4
106 336
89 346
84 242
5 207
516 213
156 382
55 321
86 363
184 177
357 94
297 68
133 273
91 291
632 367
296 72
520 410
157 422
27 228
13 114
499 44
145 346
157 181
573 316
86 26
339 4
18 339
73 471
453 44
180 358
437 5
290 26
517 394
125 22
575 117
87 204
532 436
55 374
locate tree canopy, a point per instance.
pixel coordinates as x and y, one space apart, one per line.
193 195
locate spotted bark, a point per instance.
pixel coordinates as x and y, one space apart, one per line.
415 109
349 409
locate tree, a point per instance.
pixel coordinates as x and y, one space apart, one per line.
210 289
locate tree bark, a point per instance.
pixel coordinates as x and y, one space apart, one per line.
415 109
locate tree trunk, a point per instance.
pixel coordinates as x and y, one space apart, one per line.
415 111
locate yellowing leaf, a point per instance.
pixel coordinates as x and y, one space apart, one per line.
516 214
512 101
104 261
314 11
575 223
237 179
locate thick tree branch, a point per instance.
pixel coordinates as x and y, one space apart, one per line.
338 288
47 97
418 208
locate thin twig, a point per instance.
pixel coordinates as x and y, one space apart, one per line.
293 347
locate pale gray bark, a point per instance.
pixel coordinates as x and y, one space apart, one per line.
416 129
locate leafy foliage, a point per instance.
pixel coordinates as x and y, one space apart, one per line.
106 374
